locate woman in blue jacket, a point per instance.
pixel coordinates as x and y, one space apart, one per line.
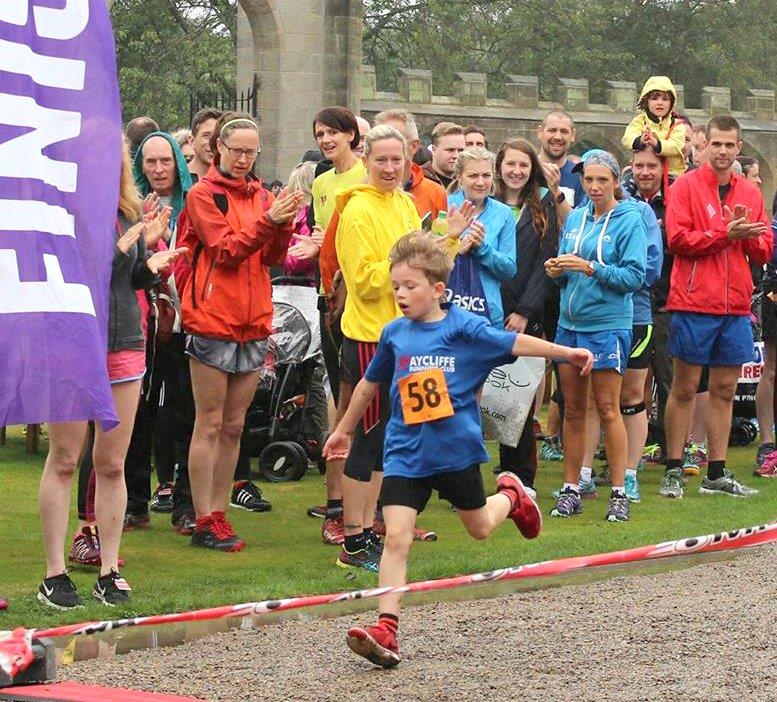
600 264
491 238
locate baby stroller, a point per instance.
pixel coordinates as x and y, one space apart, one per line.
278 426
744 425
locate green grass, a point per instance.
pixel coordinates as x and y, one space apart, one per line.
285 556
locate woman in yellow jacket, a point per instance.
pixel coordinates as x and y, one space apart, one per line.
657 126
373 216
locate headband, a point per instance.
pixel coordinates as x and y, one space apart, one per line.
238 119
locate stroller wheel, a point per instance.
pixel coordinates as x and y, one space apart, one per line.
303 458
280 462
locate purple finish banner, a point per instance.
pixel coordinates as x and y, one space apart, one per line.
60 162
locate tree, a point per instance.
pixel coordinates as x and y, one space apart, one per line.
169 49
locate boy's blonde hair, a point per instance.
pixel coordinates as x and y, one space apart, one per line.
419 250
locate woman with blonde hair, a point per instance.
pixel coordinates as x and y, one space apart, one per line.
133 269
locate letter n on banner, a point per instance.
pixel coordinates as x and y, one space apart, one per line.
60 162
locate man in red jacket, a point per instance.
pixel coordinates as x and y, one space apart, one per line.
716 227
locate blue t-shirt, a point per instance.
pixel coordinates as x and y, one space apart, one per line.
466 347
571 185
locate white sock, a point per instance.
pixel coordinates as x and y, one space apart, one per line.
618 489
631 472
571 486
585 474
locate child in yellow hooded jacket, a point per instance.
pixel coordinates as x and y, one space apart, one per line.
656 125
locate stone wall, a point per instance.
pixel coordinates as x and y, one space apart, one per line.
599 125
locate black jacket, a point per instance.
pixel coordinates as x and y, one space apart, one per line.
531 292
129 273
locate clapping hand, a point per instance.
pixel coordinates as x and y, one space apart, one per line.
127 240
157 227
285 207
738 224
161 259
304 248
459 219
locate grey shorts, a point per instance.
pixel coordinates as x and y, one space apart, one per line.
227 356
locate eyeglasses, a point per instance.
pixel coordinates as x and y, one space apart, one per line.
236 153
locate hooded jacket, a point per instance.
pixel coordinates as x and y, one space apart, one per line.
371 221
616 245
228 294
529 292
669 132
183 180
711 273
643 311
496 255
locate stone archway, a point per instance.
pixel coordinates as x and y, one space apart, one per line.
306 54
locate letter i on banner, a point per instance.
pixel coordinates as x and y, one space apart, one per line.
60 163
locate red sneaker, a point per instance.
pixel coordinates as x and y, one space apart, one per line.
333 532
224 528
419 534
526 514
375 643
86 548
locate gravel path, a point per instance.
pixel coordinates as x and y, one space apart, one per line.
705 633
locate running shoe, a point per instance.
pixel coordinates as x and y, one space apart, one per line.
588 489
603 476
652 453
162 499
112 589
567 504
375 643
727 484
525 512
136 521
694 458
618 509
59 592
366 558
768 468
217 534
550 450
185 524
333 531
246 495
317 512
673 484
86 547
763 452
631 488
419 534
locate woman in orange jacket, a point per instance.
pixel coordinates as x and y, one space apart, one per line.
236 230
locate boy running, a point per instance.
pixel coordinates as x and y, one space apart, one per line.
436 358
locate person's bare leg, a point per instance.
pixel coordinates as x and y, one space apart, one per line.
334 469
575 391
632 393
110 493
592 432
400 522
679 407
607 390
764 395
480 522
723 383
66 440
209 386
241 388
371 500
355 495
699 419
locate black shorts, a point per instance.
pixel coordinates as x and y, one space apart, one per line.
641 352
768 320
366 454
462 488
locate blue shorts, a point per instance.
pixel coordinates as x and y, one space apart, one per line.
710 339
610 348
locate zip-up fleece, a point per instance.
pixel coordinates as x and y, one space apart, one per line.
616 243
669 132
371 221
228 294
710 272
643 313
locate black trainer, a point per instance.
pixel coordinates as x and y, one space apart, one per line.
112 589
162 500
59 592
246 495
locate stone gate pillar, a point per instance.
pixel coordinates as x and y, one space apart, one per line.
307 54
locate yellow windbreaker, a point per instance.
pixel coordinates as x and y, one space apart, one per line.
669 132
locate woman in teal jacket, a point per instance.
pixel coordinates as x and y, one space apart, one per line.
601 263
491 239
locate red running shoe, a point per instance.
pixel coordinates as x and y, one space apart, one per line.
86 547
526 514
216 533
419 534
333 532
375 643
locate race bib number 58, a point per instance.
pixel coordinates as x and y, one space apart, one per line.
424 396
